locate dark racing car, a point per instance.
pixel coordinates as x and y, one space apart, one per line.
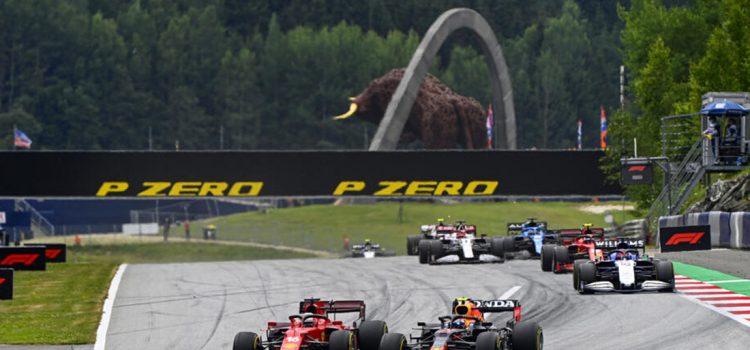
527 236
312 329
467 329
622 268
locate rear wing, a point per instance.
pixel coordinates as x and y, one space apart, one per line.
618 243
498 305
518 226
326 307
567 236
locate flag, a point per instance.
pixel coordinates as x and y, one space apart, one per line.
603 134
579 141
21 140
490 123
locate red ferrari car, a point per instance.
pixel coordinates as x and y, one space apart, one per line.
572 245
312 329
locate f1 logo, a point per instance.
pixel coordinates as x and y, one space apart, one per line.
52 253
637 168
2 280
25 259
687 237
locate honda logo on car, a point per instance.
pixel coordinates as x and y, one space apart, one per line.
687 237
681 238
495 303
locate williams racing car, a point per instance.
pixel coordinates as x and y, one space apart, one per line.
312 329
622 268
466 329
462 245
369 250
571 245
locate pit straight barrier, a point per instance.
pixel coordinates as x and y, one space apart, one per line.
304 174
728 230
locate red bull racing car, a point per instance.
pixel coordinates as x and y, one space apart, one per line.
466 329
312 329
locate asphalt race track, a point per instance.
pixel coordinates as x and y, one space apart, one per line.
203 305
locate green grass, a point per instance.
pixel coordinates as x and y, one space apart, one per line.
63 304
323 227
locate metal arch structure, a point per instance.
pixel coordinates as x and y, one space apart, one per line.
392 125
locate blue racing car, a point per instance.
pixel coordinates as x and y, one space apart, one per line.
528 236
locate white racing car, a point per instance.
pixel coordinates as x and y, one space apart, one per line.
462 245
623 269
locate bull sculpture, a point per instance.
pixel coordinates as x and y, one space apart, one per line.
440 118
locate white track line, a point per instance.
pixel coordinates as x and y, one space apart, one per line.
509 293
728 281
101 332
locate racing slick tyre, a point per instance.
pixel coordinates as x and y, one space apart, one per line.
586 275
497 249
546 257
436 250
412 244
341 340
488 341
393 341
246 341
575 271
509 247
665 273
370 333
424 251
527 336
560 256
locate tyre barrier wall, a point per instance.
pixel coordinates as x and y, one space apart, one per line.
728 230
739 223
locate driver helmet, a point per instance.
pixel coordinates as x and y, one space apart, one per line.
367 241
465 306
630 255
441 222
617 255
458 323
586 229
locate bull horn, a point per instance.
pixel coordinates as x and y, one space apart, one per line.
352 109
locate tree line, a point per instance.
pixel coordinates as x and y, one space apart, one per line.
269 74
675 52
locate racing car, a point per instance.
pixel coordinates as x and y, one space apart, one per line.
462 244
312 329
527 236
433 232
466 329
368 250
571 245
623 268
